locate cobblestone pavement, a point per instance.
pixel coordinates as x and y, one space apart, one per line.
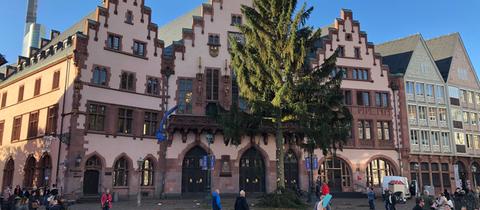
337 204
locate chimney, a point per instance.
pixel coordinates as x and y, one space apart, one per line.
32 11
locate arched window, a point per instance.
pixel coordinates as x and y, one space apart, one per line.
376 170
8 174
45 171
29 172
337 173
147 173
93 162
120 174
476 174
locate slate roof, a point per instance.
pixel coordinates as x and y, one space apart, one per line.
442 49
78 27
397 53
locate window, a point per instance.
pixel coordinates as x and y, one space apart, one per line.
445 139
473 118
21 90
125 120
357 52
476 141
212 84
459 138
420 89
381 99
52 117
153 86
465 118
383 130
435 175
341 51
429 90
185 96
56 80
139 48
38 84
17 127
360 74
445 175
477 99
456 114
120 173
236 20
96 117
150 124
354 74
440 92
424 138
2 127
214 39
376 170
347 99
412 112
463 96
363 98
129 17
422 112
432 113
33 125
364 130
409 87
113 42
425 173
442 114
4 99
100 76
453 92
469 140
435 138
127 81
470 97
147 173
414 137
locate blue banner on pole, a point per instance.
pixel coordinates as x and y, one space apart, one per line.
160 134
307 163
315 163
204 163
212 162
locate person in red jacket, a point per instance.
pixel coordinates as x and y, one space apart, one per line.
106 200
325 189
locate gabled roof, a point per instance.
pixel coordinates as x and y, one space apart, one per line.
397 53
442 49
173 31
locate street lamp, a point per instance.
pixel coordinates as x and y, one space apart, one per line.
139 194
209 137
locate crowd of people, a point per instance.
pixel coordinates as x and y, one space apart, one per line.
31 199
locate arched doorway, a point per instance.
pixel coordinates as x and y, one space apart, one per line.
29 172
476 174
44 171
376 170
252 171
8 174
337 173
194 179
462 174
91 176
291 170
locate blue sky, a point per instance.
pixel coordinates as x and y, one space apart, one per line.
383 20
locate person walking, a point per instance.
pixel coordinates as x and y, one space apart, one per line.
241 202
428 199
7 194
447 195
34 201
216 204
420 203
106 200
442 203
371 198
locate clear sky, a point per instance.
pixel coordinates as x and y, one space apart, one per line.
383 20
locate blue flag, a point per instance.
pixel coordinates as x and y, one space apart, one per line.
161 136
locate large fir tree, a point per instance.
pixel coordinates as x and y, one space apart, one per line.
278 81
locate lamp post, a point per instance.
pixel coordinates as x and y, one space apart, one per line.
139 194
209 138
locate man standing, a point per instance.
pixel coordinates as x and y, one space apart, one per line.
420 204
371 198
216 205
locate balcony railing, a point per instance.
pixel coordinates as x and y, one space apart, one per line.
368 110
366 143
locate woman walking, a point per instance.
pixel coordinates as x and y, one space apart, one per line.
106 200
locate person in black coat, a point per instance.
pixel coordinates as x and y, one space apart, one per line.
241 202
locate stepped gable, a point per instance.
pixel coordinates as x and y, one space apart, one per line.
397 53
331 34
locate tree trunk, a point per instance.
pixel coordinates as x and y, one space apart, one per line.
280 155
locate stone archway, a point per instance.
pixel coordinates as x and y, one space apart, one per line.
252 171
337 173
91 176
29 172
8 172
194 179
291 170
44 171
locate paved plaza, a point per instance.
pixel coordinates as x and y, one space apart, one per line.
338 204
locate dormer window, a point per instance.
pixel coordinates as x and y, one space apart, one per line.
129 17
341 51
357 52
139 48
236 20
214 44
